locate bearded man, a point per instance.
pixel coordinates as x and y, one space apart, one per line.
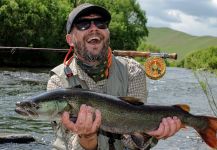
93 67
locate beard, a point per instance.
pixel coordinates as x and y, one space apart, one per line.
82 50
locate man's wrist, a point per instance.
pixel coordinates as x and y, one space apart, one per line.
88 142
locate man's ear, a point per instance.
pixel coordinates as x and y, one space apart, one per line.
69 39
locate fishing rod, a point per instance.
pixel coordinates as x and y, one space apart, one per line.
115 52
144 54
155 66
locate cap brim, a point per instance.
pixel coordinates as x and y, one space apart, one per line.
95 10
86 9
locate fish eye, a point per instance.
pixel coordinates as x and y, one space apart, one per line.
26 104
35 106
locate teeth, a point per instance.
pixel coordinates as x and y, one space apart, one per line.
93 38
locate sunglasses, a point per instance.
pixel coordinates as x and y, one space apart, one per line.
84 24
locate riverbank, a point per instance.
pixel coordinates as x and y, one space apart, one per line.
18 57
15 138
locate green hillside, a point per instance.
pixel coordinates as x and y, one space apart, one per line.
170 41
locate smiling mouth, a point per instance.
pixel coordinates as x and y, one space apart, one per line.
93 39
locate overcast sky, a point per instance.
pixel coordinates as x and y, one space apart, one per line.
195 17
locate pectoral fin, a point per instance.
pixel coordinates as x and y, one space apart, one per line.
141 140
138 139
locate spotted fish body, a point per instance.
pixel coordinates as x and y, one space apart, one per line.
122 115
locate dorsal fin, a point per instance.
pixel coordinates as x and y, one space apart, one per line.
184 107
132 100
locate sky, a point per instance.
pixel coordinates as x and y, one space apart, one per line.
195 17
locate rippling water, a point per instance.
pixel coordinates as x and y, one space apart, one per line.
16 85
177 86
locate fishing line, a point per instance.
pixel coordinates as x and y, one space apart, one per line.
207 90
211 94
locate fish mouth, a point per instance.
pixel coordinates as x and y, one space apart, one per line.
21 111
24 110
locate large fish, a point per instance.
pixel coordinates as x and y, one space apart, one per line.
121 115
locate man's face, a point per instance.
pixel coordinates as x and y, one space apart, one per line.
91 44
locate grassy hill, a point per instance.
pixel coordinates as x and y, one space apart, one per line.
169 40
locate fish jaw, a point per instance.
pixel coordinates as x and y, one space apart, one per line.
27 109
41 110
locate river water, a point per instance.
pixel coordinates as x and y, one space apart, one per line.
178 86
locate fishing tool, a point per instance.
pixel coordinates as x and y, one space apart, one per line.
155 66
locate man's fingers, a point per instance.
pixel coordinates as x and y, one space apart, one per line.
67 122
173 127
97 121
168 127
85 124
80 123
178 123
89 119
157 132
165 130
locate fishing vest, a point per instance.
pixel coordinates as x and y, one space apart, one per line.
116 85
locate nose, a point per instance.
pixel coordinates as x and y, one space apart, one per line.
92 25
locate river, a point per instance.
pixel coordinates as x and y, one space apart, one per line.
178 86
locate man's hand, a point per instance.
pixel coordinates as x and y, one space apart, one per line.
86 126
168 127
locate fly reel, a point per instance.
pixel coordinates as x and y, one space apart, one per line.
155 67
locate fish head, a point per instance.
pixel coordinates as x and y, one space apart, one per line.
27 108
43 109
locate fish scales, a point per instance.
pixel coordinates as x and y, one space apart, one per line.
119 115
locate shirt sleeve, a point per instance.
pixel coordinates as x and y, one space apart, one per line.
74 143
137 81
54 82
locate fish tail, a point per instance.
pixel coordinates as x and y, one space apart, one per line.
209 134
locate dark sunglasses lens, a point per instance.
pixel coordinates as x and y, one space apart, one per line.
101 24
83 25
